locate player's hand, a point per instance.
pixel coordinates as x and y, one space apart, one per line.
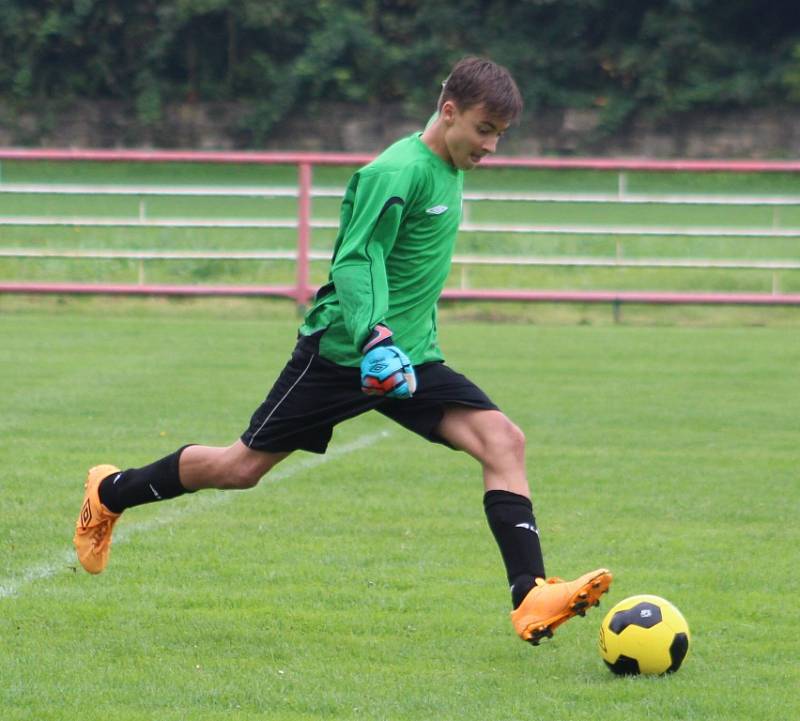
387 371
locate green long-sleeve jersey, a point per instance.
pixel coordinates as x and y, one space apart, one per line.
398 224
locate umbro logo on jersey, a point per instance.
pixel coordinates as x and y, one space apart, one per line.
436 210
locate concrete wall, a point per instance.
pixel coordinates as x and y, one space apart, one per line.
762 133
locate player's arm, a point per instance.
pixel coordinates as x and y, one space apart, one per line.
375 208
376 205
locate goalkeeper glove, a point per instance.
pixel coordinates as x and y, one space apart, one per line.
385 369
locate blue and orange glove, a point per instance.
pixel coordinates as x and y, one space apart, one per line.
385 369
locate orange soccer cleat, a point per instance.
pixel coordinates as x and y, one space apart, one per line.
549 603
95 522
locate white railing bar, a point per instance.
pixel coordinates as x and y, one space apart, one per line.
159 223
631 198
457 260
327 192
257 191
628 262
159 254
700 231
636 198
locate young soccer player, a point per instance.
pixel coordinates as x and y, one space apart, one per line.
369 343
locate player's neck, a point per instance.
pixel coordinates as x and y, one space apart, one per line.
433 137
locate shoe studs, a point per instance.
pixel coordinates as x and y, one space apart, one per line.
538 634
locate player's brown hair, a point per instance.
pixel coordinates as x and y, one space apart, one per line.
475 80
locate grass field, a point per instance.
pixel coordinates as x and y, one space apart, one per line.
365 584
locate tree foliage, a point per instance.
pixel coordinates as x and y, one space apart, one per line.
625 57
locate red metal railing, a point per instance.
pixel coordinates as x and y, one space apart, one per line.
302 291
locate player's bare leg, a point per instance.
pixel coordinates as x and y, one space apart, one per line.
494 441
231 467
540 604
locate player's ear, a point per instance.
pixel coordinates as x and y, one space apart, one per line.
449 111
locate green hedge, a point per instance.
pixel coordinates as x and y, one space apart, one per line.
626 57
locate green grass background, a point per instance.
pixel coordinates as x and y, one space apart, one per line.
365 584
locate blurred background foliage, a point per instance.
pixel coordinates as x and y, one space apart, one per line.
627 58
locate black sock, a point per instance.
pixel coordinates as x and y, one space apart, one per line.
136 486
511 519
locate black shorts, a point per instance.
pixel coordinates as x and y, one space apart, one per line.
313 394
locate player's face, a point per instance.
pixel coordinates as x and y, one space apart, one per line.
471 134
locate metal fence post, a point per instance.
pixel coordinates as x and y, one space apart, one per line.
303 234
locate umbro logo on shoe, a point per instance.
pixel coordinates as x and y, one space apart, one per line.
86 514
436 210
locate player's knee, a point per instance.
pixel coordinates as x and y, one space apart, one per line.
513 439
243 476
242 468
505 439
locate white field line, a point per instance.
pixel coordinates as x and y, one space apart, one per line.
203 501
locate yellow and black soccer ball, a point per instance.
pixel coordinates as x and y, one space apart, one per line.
644 635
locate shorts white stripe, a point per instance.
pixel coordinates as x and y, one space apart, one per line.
285 396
